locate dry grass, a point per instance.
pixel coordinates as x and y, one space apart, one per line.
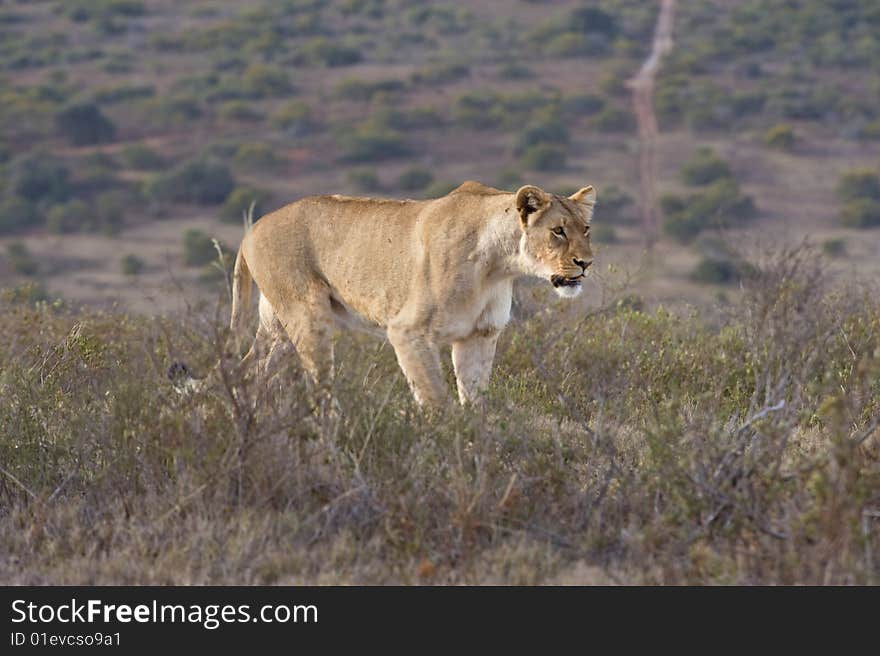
615 447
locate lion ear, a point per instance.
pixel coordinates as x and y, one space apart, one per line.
530 199
586 195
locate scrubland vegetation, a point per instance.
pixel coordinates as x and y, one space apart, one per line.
618 445
731 441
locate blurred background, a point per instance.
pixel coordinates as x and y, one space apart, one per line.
135 132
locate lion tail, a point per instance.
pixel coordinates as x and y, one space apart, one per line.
241 294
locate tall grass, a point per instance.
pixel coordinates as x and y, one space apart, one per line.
614 446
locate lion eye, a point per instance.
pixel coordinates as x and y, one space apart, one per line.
559 232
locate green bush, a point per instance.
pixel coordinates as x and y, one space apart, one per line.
83 124
704 167
20 258
615 205
296 117
131 265
368 143
614 119
265 81
141 157
780 136
438 74
861 213
717 271
870 131
109 211
123 93
353 88
544 157
40 177
582 104
84 10
515 71
17 213
859 184
198 248
603 233
72 216
438 188
238 203
202 181
238 110
259 157
834 247
719 203
415 179
330 53
364 179
547 131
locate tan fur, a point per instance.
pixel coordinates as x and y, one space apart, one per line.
422 273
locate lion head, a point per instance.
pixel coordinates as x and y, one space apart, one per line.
555 238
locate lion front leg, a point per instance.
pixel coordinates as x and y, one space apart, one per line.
419 358
472 359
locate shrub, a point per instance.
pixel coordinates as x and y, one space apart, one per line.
547 131
141 157
331 53
259 157
198 248
237 110
834 247
40 177
704 167
604 233
437 74
515 71
353 88
717 271
859 184
20 259
265 81
296 117
368 143
717 204
614 119
16 213
109 211
238 203
780 136
72 216
123 93
83 124
131 265
177 110
870 131
861 213
544 157
364 179
438 189
508 178
582 104
415 179
202 181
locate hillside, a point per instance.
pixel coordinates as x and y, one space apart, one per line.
125 124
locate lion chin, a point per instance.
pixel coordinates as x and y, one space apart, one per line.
569 291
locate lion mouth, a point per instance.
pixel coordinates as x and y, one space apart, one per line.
564 281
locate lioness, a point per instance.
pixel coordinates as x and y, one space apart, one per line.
421 273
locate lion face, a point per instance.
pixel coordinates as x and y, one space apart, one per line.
556 236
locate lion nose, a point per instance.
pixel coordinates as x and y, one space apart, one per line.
583 265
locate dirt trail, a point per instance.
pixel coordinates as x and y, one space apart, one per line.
642 86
